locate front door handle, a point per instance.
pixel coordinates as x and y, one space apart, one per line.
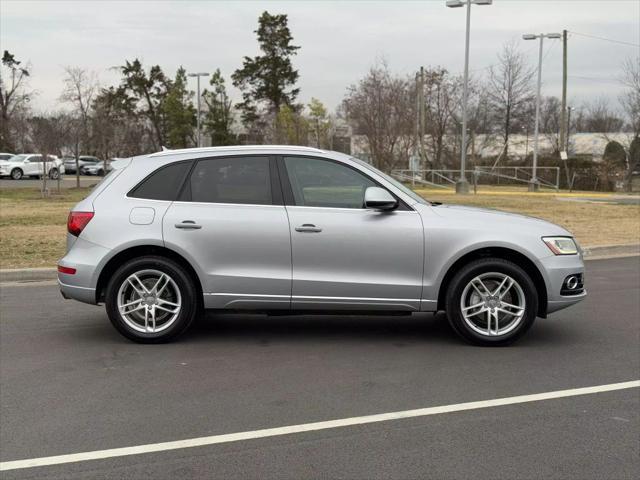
308 227
188 225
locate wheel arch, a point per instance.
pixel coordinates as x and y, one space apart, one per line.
139 251
505 253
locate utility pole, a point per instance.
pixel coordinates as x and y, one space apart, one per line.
563 113
566 148
420 117
421 112
198 75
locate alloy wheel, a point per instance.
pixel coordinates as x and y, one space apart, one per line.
149 301
493 304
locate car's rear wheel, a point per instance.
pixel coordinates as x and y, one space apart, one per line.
54 174
151 300
491 301
16 174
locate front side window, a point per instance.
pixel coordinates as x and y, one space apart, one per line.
323 183
163 184
243 180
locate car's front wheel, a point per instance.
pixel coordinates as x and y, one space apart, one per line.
54 174
151 300
16 174
492 302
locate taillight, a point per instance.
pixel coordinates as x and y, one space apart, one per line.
77 221
67 270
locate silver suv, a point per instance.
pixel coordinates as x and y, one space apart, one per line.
300 230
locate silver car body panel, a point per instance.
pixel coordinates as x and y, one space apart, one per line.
243 252
252 256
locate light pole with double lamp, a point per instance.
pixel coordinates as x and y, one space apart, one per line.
534 184
462 186
198 75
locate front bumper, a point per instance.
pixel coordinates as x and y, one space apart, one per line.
556 269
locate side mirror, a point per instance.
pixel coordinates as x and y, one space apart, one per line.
379 199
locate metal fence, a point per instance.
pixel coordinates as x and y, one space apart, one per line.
446 178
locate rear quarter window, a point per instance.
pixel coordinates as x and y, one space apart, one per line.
162 184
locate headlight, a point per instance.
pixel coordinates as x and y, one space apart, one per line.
561 245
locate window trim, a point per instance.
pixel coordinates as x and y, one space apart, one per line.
289 199
276 189
149 175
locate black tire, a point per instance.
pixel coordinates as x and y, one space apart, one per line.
16 174
478 267
53 174
100 173
189 305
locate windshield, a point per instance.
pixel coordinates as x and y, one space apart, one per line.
406 190
18 158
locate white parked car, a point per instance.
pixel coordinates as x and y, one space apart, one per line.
31 165
95 168
6 156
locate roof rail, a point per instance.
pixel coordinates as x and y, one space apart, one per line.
235 148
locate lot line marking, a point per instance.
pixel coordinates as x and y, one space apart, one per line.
308 427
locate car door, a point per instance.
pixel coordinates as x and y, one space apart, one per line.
33 165
231 222
345 256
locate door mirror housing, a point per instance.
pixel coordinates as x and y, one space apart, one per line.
378 198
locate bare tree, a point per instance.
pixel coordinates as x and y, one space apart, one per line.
381 107
630 101
49 133
14 96
80 88
599 117
550 108
510 91
442 99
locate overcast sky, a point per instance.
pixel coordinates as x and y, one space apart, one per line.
339 39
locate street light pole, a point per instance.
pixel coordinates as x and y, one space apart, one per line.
198 75
534 184
462 185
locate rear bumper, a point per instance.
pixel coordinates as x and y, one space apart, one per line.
82 294
85 257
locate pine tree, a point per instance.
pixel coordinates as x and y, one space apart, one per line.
179 112
218 119
267 80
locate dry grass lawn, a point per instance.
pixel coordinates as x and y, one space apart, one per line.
592 223
32 229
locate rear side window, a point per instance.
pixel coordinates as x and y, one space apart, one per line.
230 180
163 184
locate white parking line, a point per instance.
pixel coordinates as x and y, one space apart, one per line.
308 427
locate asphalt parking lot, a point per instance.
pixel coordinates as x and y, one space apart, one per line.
69 384
66 181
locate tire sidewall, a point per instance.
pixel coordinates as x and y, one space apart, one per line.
478 267
178 275
14 171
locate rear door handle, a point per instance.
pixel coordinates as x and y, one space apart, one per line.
188 225
308 227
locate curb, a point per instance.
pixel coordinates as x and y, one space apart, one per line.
28 274
611 251
43 274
